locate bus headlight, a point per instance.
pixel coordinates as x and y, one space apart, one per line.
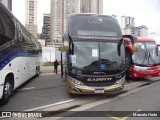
140 69
137 69
76 81
120 81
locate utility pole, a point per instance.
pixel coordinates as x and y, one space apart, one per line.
62 37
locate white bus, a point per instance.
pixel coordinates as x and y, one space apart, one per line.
19 54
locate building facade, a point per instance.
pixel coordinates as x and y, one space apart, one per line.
62 9
126 23
141 31
128 27
46 27
7 3
31 17
91 6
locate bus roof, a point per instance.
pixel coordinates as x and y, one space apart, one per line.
93 25
90 14
142 39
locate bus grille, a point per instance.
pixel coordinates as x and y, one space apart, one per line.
99 84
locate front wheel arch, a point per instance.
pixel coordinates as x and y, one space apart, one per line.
7 89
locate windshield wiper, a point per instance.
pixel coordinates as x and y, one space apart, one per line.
148 57
107 61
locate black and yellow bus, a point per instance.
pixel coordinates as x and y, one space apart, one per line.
95 54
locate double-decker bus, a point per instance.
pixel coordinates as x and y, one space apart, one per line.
19 54
95 58
144 63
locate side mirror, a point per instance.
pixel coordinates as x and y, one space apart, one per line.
65 42
134 41
135 47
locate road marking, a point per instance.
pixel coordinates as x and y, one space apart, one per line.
51 105
28 88
62 102
132 84
124 118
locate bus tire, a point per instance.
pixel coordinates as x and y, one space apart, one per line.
37 71
7 91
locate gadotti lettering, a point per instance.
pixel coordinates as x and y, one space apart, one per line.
99 79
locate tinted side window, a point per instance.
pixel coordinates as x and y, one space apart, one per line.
7 26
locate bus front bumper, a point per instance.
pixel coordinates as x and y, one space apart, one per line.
144 74
81 89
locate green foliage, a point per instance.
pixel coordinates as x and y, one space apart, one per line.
61 49
47 64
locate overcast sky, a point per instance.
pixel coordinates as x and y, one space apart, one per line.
145 12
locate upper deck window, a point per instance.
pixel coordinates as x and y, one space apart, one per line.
7 26
95 25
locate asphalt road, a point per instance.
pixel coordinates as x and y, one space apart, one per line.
49 90
44 90
142 101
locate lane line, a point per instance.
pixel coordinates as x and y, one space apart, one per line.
62 102
50 105
123 118
27 88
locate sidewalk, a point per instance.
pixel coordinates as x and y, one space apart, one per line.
48 69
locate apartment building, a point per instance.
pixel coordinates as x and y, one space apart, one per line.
31 17
46 27
128 27
62 9
91 6
7 3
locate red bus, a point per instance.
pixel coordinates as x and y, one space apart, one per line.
145 62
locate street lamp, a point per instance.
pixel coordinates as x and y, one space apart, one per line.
62 38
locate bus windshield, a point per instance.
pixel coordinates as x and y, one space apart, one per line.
97 56
147 54
94 25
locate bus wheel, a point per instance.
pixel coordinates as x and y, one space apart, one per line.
7 92
37 71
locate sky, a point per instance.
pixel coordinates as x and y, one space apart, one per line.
145 12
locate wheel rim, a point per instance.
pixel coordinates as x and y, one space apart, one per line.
7 90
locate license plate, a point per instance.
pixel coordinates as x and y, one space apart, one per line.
99 91
148 76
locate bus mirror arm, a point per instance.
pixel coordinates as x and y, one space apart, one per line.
134 41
